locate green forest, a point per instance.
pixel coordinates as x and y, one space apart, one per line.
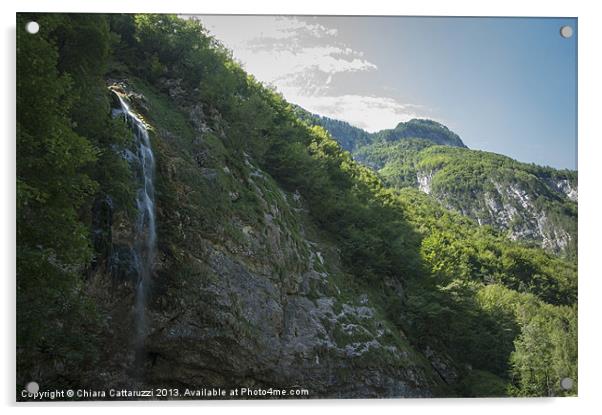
536 205
501 315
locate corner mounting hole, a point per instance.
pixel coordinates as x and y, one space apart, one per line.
566 384
32 387
566 32
32 27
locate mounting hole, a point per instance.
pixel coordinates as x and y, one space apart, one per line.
32 27
32 387
566 384
566 32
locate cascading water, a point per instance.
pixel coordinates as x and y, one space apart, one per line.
143 162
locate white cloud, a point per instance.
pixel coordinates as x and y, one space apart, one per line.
287 67
370 113
302 60
262 27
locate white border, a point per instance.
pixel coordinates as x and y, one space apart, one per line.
590 155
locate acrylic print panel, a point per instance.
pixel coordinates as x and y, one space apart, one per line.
295 207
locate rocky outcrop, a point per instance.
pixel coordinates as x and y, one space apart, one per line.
514 210
564 186
244 329
510 208
424 180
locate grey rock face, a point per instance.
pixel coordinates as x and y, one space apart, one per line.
564 186
424 181
173 87
510 208
242 322
443 365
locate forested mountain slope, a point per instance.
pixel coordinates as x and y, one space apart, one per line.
280 261
529 203
351 138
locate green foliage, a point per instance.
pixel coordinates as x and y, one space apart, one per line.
421 128
545 352
443 259
68 155
52 185
449 307
465 180
346 200
455 247
469 181
395 162
353 138
348 136
482 384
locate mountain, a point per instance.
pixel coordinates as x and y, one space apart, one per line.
180 226
428 130
528 203
351 138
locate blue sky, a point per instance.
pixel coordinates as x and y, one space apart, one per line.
506 85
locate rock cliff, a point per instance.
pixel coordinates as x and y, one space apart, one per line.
254 300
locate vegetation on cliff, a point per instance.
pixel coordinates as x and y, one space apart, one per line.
503 314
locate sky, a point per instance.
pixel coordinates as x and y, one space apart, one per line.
506 85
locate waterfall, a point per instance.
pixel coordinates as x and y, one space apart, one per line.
143 162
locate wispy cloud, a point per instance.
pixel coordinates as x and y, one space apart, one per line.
369 113
302 60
